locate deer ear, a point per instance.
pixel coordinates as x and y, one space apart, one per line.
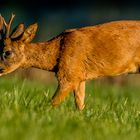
29 33
18 31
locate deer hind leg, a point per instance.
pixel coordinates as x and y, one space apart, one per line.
79 93
62 91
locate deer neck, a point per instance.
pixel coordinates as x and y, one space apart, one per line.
42 55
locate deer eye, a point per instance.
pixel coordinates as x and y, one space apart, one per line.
7 54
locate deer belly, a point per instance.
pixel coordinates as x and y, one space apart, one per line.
131 68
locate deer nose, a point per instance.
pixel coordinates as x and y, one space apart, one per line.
1 70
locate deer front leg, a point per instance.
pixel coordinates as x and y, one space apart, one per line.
61 92
79 93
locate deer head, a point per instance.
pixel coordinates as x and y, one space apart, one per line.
12 44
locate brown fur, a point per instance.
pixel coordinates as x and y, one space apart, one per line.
77 55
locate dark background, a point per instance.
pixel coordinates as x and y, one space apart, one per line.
54 16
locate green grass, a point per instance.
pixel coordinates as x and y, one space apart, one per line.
111 112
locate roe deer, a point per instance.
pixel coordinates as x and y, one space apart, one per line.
75 55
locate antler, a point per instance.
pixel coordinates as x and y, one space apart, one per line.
1 22
7 26
1 27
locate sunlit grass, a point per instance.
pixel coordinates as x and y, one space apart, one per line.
111 112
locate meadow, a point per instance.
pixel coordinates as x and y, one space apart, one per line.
111 112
